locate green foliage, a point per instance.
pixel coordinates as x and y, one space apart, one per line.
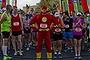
48 3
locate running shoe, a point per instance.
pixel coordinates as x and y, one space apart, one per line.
60 56
20 53
55 56
15 53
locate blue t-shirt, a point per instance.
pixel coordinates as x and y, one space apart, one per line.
30 15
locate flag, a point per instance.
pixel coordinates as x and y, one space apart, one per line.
3 3
70 6
88 3
79 6
8 1
27 9
15 2
0 4
61 8
84 6
65 5
75 6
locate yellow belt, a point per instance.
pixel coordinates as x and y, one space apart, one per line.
44 29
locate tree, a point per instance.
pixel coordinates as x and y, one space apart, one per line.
48 3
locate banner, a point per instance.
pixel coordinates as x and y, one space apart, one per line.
71 6
84 6
3 3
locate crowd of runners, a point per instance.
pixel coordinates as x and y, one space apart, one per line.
17 33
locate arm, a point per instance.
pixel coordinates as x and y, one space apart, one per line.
62 22
32 21
21 21
55 21
3 18
82 25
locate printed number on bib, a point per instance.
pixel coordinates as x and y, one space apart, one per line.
16 23
66 26
43 25
78 29
57 30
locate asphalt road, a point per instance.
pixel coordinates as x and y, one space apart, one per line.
30 55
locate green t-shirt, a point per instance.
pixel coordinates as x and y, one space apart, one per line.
5 26
88 19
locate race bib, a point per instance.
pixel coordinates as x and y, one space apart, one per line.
57 30
67 26
16 23
43 25
78 29
26 24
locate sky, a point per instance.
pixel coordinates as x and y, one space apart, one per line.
21 3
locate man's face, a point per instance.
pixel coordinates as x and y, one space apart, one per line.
15 9
10 8
43 10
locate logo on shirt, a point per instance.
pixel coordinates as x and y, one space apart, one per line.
44 19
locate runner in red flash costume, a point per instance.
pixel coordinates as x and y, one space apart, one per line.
43 21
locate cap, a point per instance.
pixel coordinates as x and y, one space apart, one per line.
56 14
4 9
79 14
88 14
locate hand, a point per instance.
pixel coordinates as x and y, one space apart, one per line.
63 29
71 29
22 32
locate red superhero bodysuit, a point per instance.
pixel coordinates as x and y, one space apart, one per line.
43 21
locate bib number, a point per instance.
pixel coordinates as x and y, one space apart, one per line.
57 30
66 26
78 29
16 23
43 25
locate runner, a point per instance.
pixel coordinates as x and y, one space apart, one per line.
68 34
16 28
43 21
78 25
27 31
5 28
0 33
88 29
57 37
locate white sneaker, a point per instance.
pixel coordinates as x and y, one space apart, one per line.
15 53
20 53
27 49
30 44
5 54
